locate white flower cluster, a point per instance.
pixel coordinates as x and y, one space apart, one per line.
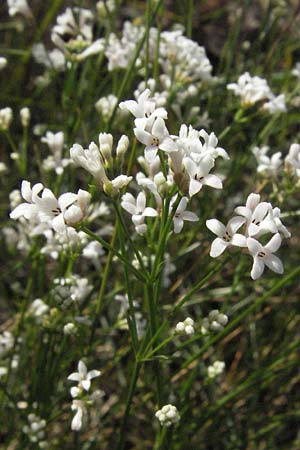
215 369
191 156
185 327
35 430
168 415
81 399
255 89
215 322
68 210
267 165
77 24
275 165
258 218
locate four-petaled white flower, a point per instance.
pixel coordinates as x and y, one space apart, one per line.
157 138
259 219
181 214
226 235
199 174
137 208
263 255
83 377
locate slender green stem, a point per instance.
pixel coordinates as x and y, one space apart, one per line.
131 390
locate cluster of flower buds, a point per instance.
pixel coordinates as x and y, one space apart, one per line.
185 327
215 369
168 415
97 160
215 321
35 430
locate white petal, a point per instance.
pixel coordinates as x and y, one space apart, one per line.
82 368
216 227
178 224
58 224
234 224
257 268
74 376
239 240
93 374
274 263
252 201
254 246
129 207
167 145
189 216
86 384
66 200
143 136
194 187
150 212
159 129
217 247
274 243
213 181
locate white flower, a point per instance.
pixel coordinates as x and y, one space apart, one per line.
181 214
55 142
185 327
83 377
137 208
144 110
199 174
257 215
157 138
263 255
168 415
267 165
226 235
275 104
